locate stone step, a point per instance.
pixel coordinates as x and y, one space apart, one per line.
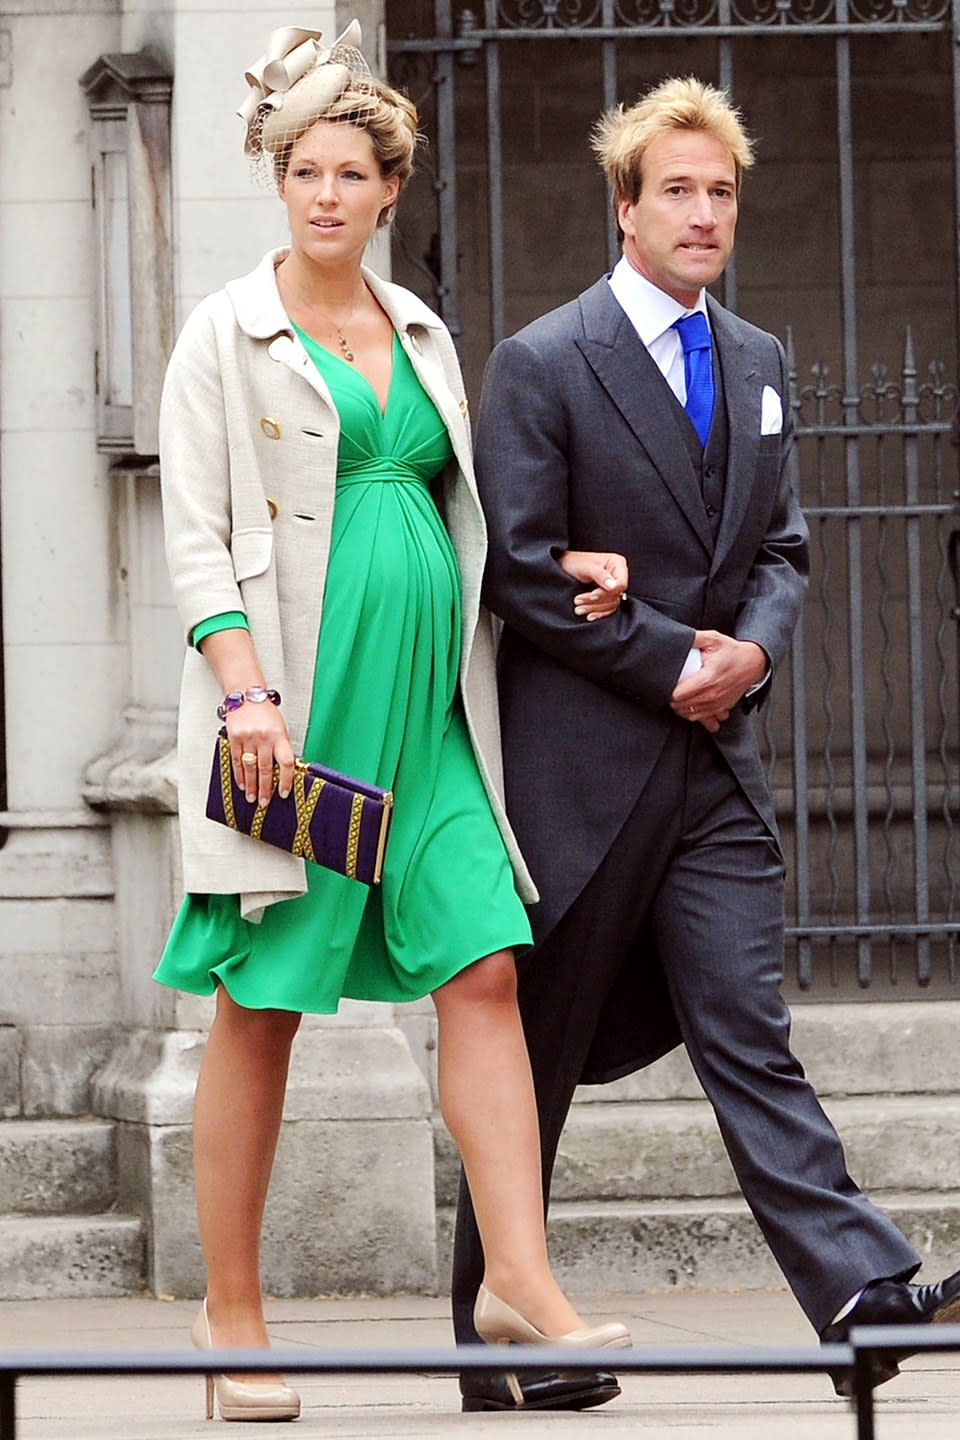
663 1150
702 1244
846 1049
56 1167
70 1256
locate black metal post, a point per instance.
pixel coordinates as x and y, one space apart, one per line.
8 1406
863 1392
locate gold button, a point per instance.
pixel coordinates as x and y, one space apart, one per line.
415 342
464 407
270 428
272 507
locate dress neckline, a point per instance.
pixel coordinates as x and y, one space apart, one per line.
315 350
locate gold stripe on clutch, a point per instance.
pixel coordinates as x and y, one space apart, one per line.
305 806
256 824
353 836
225 785
382 837
260 814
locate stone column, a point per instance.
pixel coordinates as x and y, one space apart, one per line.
63 655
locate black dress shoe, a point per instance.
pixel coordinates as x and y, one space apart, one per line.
894 1302
489 1391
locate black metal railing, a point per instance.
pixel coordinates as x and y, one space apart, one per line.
862 737
855 1357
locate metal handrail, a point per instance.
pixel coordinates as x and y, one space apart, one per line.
855 1356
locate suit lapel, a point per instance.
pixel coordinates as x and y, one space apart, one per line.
622 364
742 393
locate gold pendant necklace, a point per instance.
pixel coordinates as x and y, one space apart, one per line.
346 349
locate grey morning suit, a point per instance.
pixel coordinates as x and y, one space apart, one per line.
653 843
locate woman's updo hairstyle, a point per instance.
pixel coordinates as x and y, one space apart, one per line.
297 82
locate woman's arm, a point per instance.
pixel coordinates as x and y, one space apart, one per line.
609 574
195 484
254 728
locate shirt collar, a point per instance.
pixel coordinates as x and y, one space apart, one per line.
649 309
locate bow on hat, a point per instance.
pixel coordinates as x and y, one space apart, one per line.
291 52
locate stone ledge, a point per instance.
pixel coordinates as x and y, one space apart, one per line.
53 855
139 771
844 1048
53 1167
337 1075
702 1245
70 1256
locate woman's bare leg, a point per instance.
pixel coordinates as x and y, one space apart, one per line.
488 1103
236 1124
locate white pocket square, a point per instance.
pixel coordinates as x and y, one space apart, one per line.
771 412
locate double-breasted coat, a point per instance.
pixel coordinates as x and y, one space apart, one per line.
248 457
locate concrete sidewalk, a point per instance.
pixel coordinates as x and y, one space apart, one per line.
922 1404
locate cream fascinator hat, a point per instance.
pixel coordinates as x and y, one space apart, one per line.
295 81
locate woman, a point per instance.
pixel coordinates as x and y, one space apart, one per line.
313 432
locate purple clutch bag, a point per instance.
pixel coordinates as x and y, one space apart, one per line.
328 818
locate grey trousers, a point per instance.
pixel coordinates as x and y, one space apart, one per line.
696 867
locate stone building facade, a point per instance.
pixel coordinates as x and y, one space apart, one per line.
101 261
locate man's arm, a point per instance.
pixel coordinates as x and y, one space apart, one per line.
523 474
769 606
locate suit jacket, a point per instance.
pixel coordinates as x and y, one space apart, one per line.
580 446
248 458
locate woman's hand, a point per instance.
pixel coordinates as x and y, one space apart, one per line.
606 571
258 729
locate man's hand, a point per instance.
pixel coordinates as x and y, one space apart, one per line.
730 667
606 571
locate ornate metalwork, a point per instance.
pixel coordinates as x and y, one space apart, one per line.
675 14
549 14
585 16
784 12
825 400
899 12
881 400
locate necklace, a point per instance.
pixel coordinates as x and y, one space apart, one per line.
345 348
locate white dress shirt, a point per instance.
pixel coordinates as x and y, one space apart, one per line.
653 313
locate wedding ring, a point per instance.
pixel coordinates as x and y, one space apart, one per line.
248 758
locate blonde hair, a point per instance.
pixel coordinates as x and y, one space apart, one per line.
385 114
621 137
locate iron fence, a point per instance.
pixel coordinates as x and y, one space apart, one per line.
854 1357
862 737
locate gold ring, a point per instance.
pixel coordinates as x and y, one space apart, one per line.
248 758
693 711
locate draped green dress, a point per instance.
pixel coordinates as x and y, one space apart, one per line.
385 707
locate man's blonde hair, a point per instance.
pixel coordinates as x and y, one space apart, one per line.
621 137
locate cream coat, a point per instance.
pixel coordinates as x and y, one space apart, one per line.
248 454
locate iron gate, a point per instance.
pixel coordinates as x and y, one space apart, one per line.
851 250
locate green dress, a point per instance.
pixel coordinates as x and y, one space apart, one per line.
385 707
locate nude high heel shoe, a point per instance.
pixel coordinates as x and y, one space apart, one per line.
241 1399
498 1323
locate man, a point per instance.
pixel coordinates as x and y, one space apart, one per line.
633 779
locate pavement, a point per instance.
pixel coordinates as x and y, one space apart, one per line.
923 1403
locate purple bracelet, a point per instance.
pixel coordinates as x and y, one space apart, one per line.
235 698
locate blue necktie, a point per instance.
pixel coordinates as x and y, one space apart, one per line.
698 369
